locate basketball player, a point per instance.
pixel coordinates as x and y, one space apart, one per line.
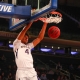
22 51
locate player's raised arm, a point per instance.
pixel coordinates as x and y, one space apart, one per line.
41 35
24 30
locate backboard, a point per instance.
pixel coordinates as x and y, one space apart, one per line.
41 7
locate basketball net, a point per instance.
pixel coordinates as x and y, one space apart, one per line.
52 17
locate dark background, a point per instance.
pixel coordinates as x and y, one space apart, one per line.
68 41
69 27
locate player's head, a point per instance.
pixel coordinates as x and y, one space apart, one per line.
25 39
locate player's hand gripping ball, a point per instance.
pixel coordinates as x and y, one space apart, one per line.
53 32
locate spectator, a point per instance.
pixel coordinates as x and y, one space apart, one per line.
14 69
0 70
62 77
10 77
72 77
59 77
50 75
38 73
0 77
43 76
59 66
78 70
9 68
71 68
3 76
65 77
3 58
38 78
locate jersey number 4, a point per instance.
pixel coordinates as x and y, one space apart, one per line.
27 51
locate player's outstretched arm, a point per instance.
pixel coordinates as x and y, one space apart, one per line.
24 30
41 35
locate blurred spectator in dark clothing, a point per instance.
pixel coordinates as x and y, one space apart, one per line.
38 78
3 76
14 69
0 70
56 74
78 70
59 77
71 68
0 77
62 77
10 77
50 75
14 76
3 58
9 68
38 73
59 66
65 77
43 76
72 77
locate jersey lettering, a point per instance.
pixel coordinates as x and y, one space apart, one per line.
16 53
5 8
27 51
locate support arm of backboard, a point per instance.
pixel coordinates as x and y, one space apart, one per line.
39 13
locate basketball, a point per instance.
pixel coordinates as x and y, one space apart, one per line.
53 32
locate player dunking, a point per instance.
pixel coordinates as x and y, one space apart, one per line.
22 51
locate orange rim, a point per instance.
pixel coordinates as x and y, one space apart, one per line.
55 12
42 19
36 20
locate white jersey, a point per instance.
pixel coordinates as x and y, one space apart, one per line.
23 55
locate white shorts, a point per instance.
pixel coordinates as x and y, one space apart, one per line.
29 74
25 78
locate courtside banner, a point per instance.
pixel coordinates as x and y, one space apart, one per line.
11 11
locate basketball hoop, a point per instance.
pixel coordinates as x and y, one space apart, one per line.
53 17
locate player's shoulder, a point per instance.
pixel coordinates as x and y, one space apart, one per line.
16 41
30 45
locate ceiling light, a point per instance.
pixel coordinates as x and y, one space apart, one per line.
58 47
45 46
52 47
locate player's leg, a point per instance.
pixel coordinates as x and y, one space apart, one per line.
33 78
25 78
20 75
22 78
32 74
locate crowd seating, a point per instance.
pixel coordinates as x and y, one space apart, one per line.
44 65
